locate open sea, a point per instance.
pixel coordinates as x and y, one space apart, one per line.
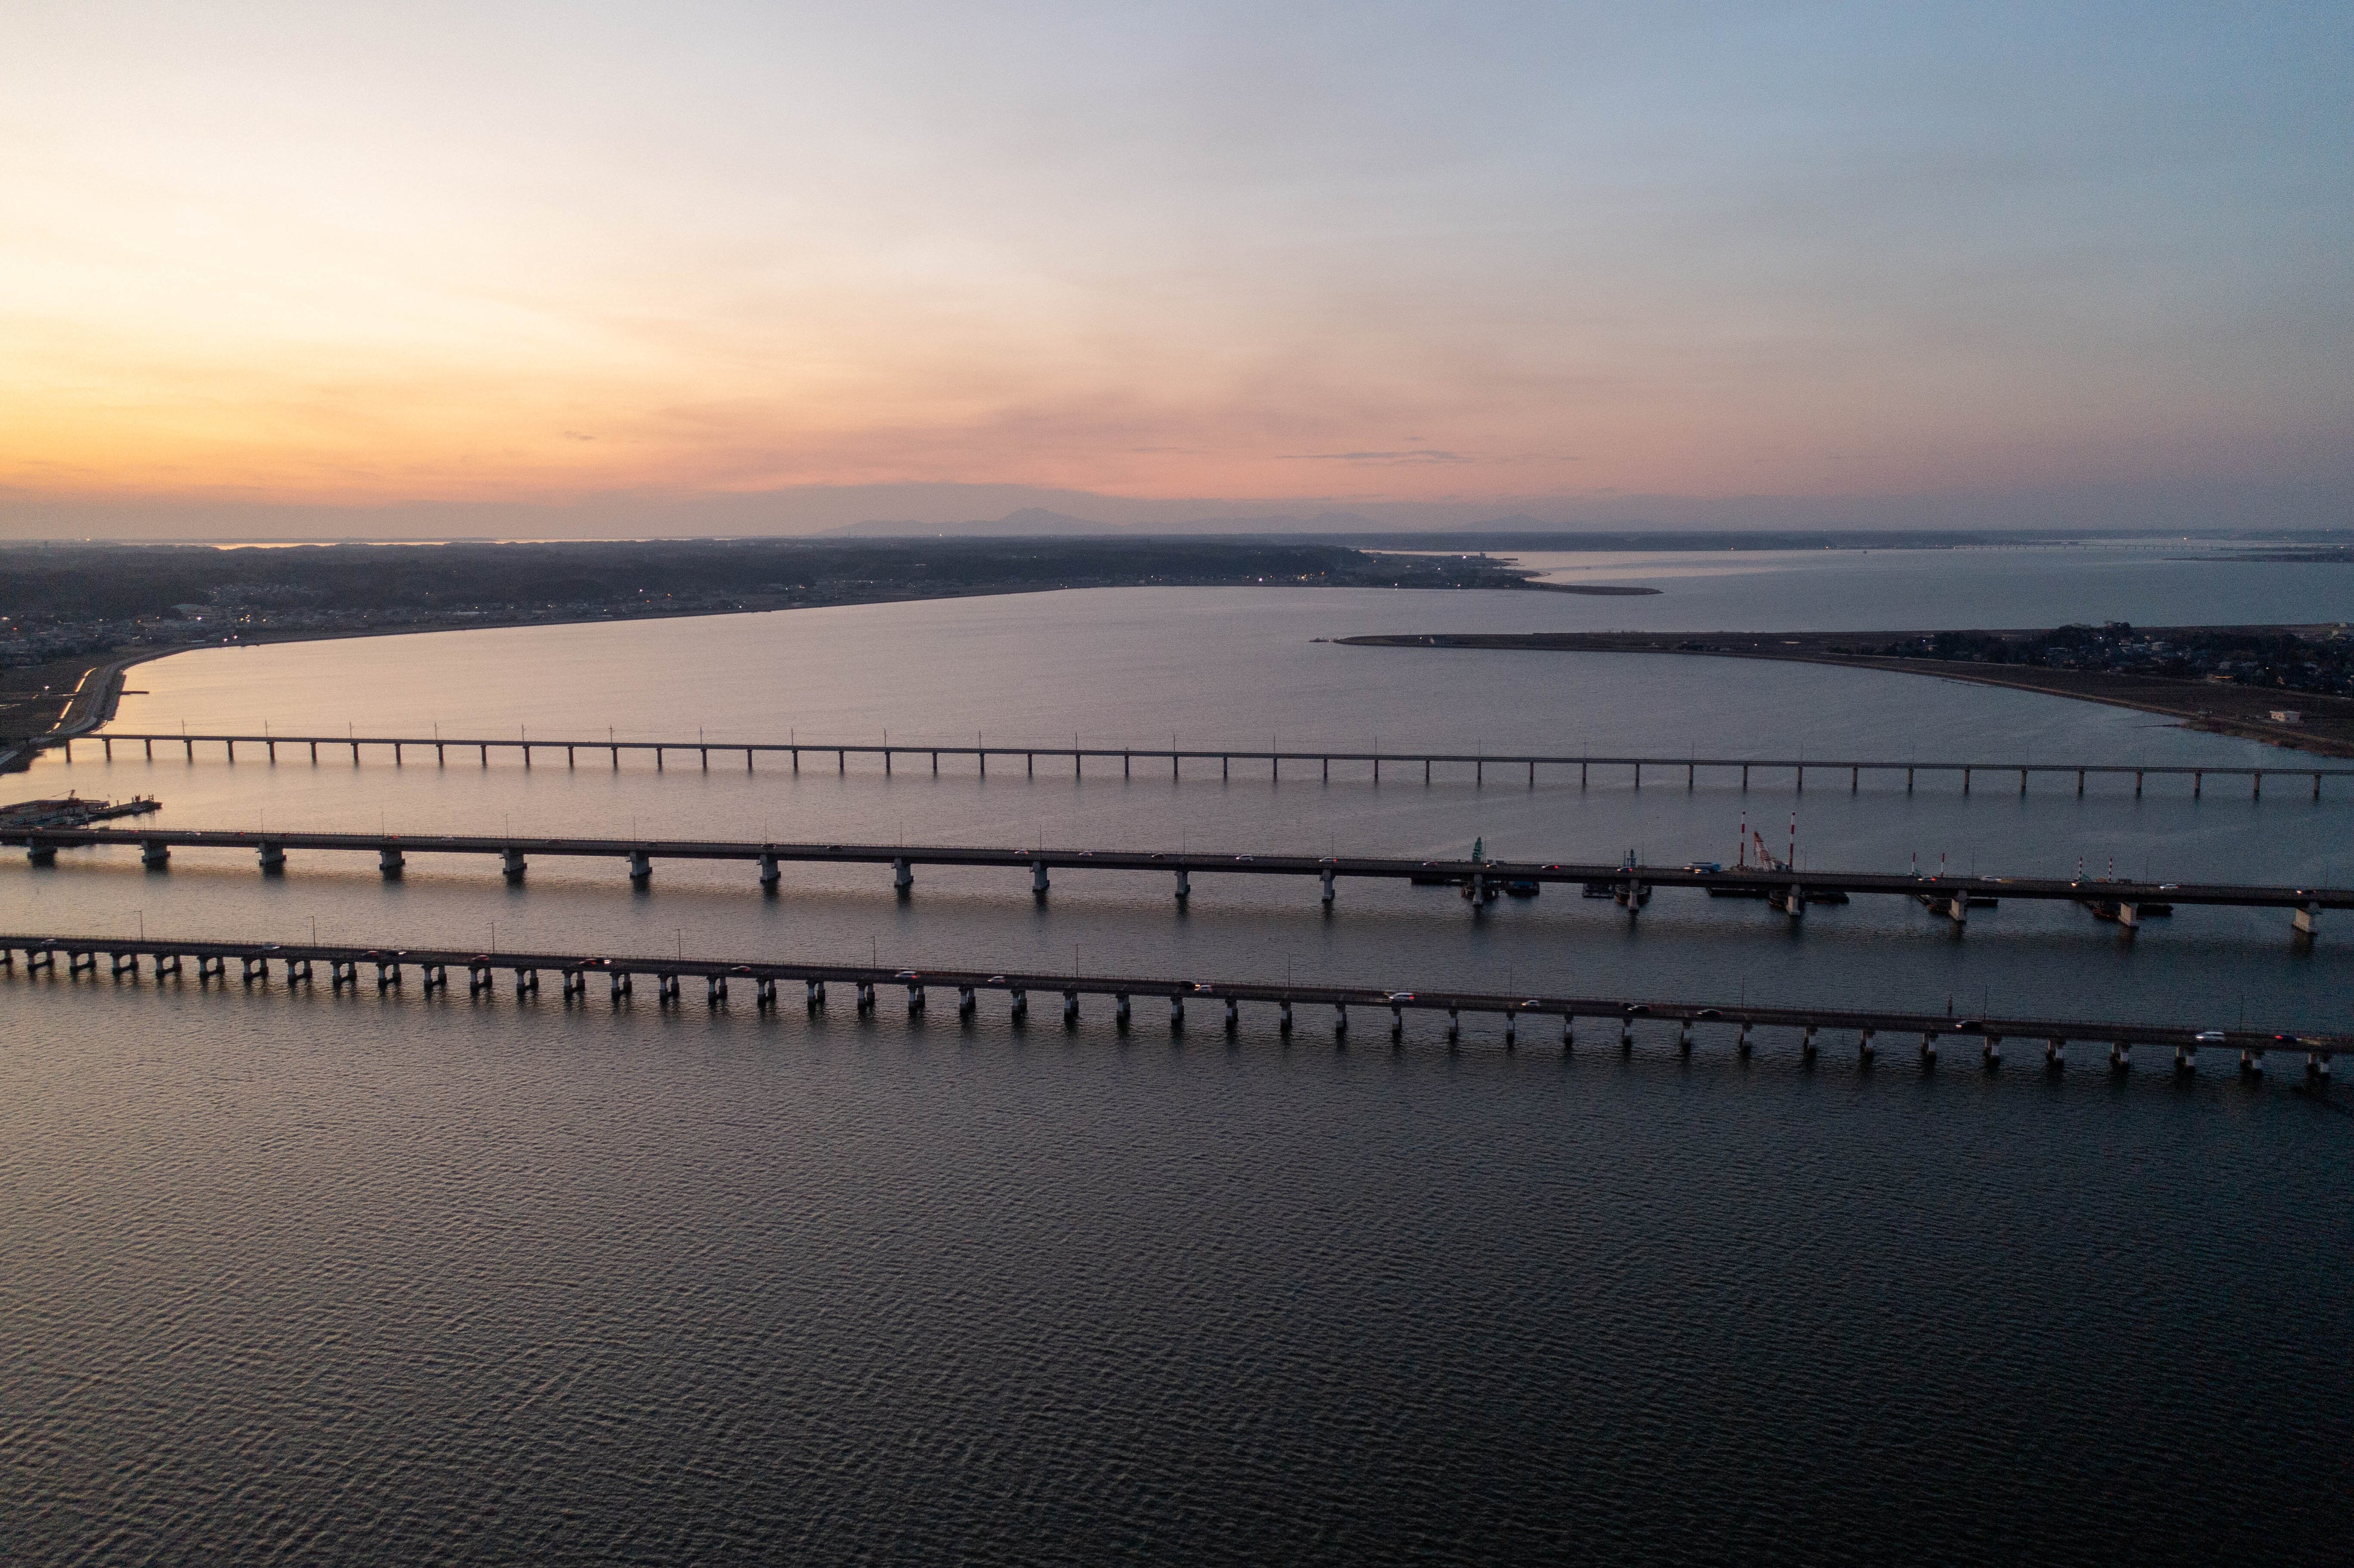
293 1276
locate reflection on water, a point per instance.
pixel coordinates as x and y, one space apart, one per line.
320 1277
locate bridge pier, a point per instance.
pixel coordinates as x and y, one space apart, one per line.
715 990
478 979
1184 886
1020 1010
526 982
390 862
436 977
1119 1010
86 962
1397 1022
2186 1060
1807 1047
1568 1032
865 996
1038 880
1176 1013
253 968
816 998
2306 921
1454 1025
2317 1067
2120 1056
1328 887
1928 1049
665 989
169 964
2055 1056
512 863
641 867
1742 1048
1990 1053
1866 1053
576 983
1070 1010
1283 1016
340 972
764 996
214 967
966 1003
121 964
154 854
903 877
2252 1063
388 973
273 857
1683 1037
769 875
40 853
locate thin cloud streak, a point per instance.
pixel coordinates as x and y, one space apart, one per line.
281 256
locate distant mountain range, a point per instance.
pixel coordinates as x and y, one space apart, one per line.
1039 522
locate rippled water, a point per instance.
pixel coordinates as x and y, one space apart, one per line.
302 1277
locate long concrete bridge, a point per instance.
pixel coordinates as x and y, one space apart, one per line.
1459 766
1789 892
295 964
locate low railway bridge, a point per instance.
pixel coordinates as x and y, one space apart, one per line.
295 963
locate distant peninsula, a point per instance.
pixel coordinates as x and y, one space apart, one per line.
2227 680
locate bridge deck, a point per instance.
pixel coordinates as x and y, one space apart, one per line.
526 747
1203 863
1621 1009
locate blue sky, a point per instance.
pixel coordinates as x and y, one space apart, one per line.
628 260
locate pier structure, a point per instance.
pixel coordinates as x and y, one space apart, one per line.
1462 767
1781 888
295 962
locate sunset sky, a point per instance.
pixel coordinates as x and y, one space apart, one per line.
791 265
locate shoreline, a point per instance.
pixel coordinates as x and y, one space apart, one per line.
85 708
2210 707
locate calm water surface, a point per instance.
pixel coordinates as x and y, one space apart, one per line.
300 1278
